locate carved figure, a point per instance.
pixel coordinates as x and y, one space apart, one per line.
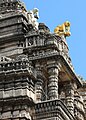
35 12
32 17
63 29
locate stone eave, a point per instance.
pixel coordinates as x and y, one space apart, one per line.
75 78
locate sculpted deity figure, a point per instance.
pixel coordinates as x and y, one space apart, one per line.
63 29
35 12
32 17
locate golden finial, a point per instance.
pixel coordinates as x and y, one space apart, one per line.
63 29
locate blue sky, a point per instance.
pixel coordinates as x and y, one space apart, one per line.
55 12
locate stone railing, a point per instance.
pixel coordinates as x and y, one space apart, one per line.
51 109
51 40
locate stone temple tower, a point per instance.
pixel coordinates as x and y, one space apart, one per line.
37 78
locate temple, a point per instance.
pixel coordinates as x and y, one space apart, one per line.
37 78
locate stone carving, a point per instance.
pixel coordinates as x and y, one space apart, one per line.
4 58
63 29
7 6
22 57
36 77
32 16
21 6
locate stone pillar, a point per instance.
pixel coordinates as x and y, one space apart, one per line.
39 83
70 97
52 68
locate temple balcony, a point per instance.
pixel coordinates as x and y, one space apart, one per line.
50 45
61 46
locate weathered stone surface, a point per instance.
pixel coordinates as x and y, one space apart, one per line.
37 78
